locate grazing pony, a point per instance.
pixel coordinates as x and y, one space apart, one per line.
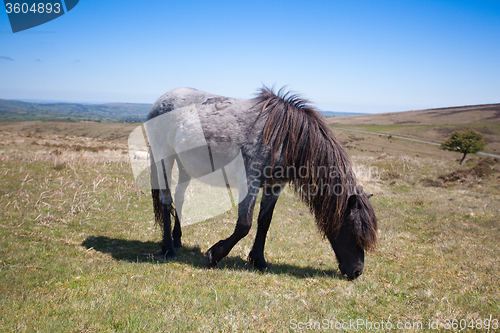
280 139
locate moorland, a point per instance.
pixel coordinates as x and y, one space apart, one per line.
77 237
433 125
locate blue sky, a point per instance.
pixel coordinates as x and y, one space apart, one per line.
354 56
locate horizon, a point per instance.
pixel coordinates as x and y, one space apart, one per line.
358 57
42 101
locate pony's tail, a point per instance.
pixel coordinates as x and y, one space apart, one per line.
155 192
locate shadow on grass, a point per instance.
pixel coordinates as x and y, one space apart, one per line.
143 252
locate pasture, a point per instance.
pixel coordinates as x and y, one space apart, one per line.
76 237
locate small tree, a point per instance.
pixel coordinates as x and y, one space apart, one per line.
465 142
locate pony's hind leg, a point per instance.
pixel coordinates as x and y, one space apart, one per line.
167 209
177 232
269 198
180 191
167 247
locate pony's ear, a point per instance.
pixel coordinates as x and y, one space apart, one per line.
369 196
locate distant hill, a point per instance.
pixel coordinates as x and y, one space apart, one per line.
472 114
11 110
329 114
433 125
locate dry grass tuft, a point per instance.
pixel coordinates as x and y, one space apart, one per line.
427 182
485 168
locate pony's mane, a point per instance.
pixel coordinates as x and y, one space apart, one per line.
300 137
366 232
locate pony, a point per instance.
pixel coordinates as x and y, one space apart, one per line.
279 139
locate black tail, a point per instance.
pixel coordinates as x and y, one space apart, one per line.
155 192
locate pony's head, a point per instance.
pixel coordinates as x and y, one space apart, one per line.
356 234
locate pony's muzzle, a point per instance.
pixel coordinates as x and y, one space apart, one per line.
356 273
351 273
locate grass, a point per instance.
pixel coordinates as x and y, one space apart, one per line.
116 132
76 235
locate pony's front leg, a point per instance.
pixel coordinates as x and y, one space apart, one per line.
270 196
243 226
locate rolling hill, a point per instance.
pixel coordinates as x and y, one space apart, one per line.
11 110
474 114
431 125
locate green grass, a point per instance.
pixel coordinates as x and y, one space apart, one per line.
75 239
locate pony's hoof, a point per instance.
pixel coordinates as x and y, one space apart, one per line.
170 255
177 244
258 261
208 260
259 264
166 255
264 267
